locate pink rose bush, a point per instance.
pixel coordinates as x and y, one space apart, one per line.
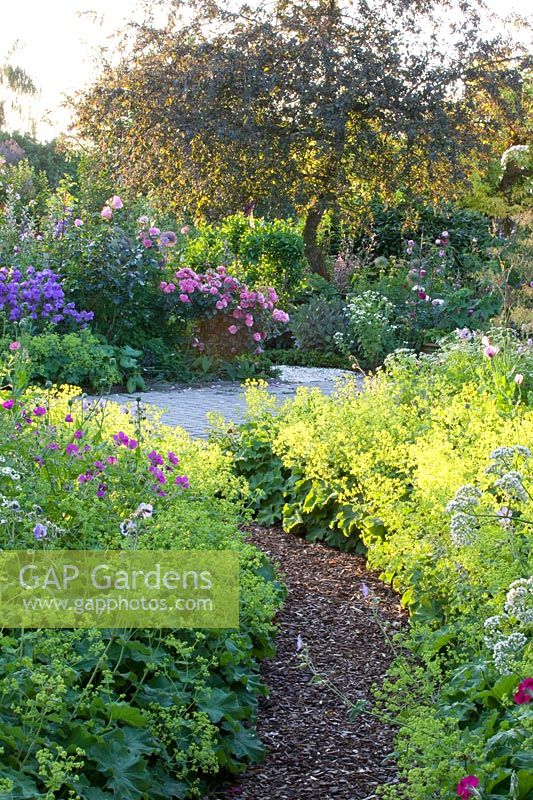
230 317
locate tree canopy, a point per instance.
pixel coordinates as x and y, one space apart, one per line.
292 106
15 83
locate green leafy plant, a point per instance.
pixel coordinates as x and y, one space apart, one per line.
316 324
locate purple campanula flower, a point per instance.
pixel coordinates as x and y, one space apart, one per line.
40 531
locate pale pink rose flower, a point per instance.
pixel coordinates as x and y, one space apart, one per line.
106 213
491 350
116 202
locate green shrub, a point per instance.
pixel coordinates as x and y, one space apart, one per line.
259 252
135 714
316 324
369 333
430 471
389 227
78 358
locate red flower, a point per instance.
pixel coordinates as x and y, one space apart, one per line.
525 692
465 786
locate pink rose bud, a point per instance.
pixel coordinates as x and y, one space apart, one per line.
185 230
115 202
518 378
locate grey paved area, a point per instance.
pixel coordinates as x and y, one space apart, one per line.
188 406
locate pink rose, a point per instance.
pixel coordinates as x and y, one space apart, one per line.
147 243
15 346
185 298
106 213
185 230
154 231
518 378
115 202
233 329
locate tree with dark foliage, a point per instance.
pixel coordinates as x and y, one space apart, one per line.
285 105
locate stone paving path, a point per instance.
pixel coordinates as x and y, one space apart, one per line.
188 406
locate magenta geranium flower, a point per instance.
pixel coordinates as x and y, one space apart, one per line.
525 692
40 411
8 403
466 785
183 481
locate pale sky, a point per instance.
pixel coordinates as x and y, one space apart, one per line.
59 39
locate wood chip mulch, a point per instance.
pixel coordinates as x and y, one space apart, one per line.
314 751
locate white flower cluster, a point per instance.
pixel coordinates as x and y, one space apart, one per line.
466 499
464 525
512 484
463 529
503 458
506 651
506 644
519 600
10 473
370 307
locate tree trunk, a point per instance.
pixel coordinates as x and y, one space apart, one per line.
312 251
